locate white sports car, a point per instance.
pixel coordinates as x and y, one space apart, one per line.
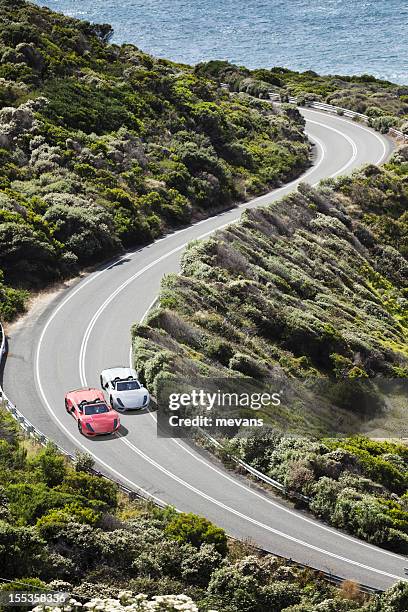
124 390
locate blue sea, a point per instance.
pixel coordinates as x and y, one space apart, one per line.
330 37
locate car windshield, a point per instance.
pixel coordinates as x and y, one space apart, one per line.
95 409
127 385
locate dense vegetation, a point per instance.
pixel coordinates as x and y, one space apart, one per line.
313 286
385 103
104 147
355 484
63 528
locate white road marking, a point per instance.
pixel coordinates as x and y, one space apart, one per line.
361 127
281 507
251 520
249 490
349 140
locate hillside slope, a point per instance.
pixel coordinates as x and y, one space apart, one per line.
315 284
312 288
385 103
104 147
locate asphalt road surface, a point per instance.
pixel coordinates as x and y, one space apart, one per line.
85 328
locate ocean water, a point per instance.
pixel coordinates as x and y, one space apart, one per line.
330 36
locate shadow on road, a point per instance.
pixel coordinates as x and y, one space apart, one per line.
121 433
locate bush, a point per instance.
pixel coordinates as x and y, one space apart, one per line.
280 595
89 109
50 524
384 123
22 551
90 487
83 462
197 530
106 147
26 255
247 366
28 502
240 590
12 301
86 232
49 466
396 599
197 568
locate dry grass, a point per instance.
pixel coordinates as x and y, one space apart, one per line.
351 590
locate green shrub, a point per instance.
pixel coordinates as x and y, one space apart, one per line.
49 466
22 551
384 122
197 530
49 524
91 487
12 302
28 502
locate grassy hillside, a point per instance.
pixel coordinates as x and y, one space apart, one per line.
314 286
104 147
61 528
384 102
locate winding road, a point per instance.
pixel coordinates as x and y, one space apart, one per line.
85 328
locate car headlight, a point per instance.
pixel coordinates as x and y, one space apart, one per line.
120 402
145 399
89 427
115 423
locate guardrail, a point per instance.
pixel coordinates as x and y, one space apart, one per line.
325 575
33 432
339 110
329 108
253 471
398 134
42 439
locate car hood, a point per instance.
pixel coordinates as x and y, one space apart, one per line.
101 422
132 399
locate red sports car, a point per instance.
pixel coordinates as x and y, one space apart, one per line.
94 416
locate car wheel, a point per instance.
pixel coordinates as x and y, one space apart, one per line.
80 427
